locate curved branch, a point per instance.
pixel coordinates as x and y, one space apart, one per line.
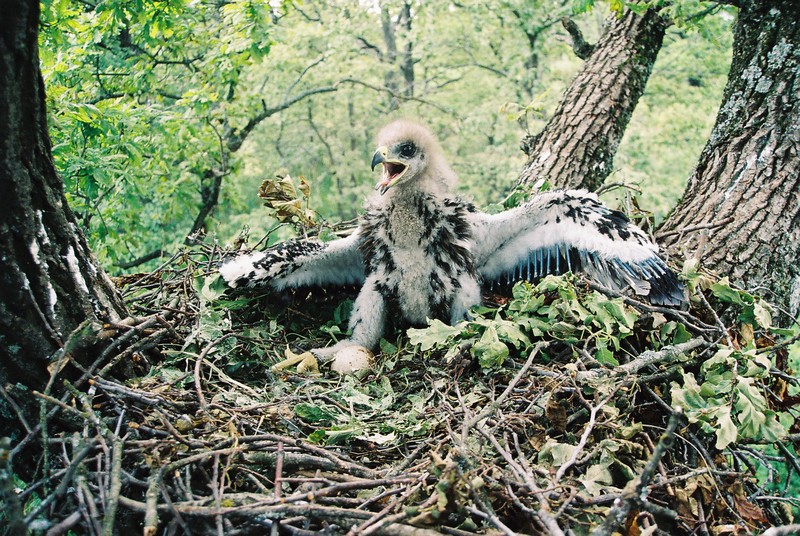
235 139
580 47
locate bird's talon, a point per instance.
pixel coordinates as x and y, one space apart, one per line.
306 363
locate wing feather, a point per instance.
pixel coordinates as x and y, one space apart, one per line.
298 263
572 231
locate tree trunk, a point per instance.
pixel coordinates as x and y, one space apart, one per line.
740 212
576 149
49 282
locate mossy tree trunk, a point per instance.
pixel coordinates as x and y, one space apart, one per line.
576 149
740 212
49 281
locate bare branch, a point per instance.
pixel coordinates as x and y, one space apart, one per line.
580 47
665 355
636 490
236 139
369 46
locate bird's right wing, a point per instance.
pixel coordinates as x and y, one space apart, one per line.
298 263
572 231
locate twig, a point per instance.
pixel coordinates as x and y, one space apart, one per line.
492 407
691 228
110 513
200 359
151 505
491 517
17 409
580 47
650 357
278 470
636 491
284 511
61 527
783 530
113 387
582 443
66 481
10 498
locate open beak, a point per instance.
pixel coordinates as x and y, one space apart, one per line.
393 170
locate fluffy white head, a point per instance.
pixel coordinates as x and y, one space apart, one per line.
411 159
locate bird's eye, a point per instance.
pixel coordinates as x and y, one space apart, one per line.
407 149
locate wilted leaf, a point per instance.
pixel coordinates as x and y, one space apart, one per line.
288 201
726 430
597 478
762 314
746 509
556 414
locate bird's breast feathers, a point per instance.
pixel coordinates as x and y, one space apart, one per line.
418 251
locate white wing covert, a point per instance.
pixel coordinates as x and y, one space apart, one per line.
572 231
298 263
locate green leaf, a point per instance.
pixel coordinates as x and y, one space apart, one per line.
723 290
313 414
317 436
210 289
688 396
605 357
510 332
625 316
489 350
750 405
597 478
436 334
758 365
555 453
680 334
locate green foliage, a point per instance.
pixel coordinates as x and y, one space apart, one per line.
728 397
150 103
730 401
141 98
553 309
374 413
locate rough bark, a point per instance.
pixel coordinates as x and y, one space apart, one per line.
49 282
743 198
576 149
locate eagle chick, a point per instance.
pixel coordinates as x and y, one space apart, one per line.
421 252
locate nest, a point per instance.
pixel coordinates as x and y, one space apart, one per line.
205 439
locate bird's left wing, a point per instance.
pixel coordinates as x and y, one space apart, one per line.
298 263
572 231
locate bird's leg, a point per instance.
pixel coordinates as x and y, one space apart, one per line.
468 294
367 322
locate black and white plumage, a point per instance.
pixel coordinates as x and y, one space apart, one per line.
421 252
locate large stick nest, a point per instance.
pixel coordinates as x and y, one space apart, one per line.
517 422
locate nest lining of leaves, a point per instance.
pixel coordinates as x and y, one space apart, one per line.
552 409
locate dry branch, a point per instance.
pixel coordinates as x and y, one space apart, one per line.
203 446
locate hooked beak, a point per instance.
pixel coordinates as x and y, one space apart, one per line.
393 170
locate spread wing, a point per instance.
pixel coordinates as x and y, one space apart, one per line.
298 263
572 231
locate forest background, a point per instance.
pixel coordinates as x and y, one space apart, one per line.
166 118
